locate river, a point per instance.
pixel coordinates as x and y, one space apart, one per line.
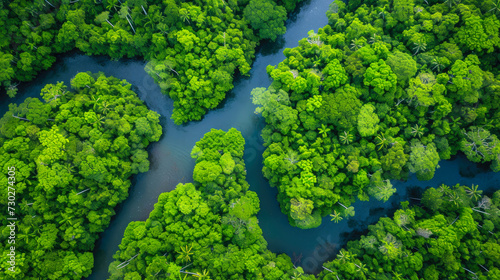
171 162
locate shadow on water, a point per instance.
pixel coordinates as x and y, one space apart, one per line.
171 162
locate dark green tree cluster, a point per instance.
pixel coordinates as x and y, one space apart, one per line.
388 88
452 235
204 230
73 154
194 47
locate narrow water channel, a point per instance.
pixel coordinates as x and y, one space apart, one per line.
171 162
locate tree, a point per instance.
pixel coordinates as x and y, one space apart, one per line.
300 208
103 17
466 79
185 253
424 90
479 145
82 80
266 17
403 65
324 130
380 76
334 75
340 108
5 63
478 34
379 188
403 9
419 46
336 216
423 160
394 161
368 121
275 108
346 138
206 171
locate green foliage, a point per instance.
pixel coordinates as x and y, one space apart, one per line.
479 145
423 160
194 49
380 76
205 229
403 65
387 89
71 170
424 243
368 121
266 17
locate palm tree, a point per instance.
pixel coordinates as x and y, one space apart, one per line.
296 274
124 13
186 253
343 256
496 7
99 121
398 276
473 192
382 141
346 138
150 22
417 131
324 130
94 101
361 268
336 216
419 46
382 12
184 15
355 45
456 123
452 2
104 107
455 199
66 219
27 234
436 64
373 39
203 275
444 189
162 27
112 4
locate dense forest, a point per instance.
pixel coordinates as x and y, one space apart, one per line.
193 48
208 230
387 89
452 234
73 155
